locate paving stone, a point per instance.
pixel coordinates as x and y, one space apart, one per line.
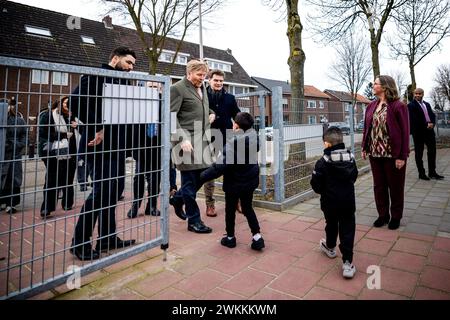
429 211
398 282
248 282
377 247
295 281
441 243
220 294
316 261
423 219
436 278
423 293
440 259
296 226
234 264
318 293
274 262
200 283
412 246
404 261
333 280
421 228
152 285
374 294
444 226
270 294
172 294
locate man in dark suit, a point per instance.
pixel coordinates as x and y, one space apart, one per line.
422 121
106 144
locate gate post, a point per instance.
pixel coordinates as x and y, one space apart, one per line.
278 130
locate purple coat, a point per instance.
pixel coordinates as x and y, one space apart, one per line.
398 127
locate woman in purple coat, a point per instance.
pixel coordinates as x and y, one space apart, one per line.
386 142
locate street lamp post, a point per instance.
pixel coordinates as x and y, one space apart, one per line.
200 27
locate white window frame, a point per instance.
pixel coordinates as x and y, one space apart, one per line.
219 64
60 78
321 105
38 31
310 118
87 40
312 102
39 76
181 59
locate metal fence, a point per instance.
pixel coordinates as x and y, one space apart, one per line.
298 126
47 226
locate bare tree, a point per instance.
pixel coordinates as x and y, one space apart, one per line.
156 20
421 26
352 66
399 78
297 57
442 79
439 100
351 69
335 19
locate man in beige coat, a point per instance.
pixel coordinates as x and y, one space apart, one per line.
191 150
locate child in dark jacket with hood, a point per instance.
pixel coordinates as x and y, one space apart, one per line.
333 178
239 166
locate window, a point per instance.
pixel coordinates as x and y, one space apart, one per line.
347 107
311 104
245 90
60 78
285 104
182 59
39 77
321 105
312 119
38 31
167 56
221 65
87 40
238 90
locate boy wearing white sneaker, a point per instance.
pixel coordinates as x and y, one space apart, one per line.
239 166
333 178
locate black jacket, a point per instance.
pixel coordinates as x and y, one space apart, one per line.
86 105
238 164
334 177
417 117
225 107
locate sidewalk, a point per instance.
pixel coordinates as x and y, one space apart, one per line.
414 260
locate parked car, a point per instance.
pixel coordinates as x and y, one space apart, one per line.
341 125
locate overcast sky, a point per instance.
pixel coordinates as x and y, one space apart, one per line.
260 44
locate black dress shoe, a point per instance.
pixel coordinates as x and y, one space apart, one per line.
67 208
132 213
381 221
152 212
45 213
423 177
178 208
258 245
113 244
84 253
394 224
199 227
436 176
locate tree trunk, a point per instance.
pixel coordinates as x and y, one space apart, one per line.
296 60
375 54
413 76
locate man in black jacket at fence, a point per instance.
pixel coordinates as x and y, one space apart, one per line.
106 143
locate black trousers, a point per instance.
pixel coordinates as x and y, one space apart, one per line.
109 169
58 176
231 201
148 168
341 223
428 138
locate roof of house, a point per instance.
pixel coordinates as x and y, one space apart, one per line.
65 44
268 84
346 96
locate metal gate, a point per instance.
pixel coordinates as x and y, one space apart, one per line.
45 196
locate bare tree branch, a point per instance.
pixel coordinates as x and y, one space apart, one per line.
421 25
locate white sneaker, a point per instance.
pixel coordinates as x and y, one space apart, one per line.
348 270
331 253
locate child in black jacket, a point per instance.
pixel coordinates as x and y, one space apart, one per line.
333 178
239 166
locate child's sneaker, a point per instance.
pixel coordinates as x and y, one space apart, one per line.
227 242
258 244
348 270
331 253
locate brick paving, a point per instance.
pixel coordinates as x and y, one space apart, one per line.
414 260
